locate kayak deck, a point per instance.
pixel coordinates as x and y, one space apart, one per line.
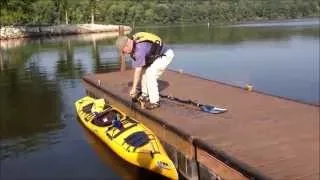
127 137
260 135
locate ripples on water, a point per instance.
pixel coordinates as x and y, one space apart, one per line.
40 80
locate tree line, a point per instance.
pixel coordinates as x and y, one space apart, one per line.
151 12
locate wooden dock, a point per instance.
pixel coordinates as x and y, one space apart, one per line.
260 137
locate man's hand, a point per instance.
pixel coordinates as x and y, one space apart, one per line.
133 92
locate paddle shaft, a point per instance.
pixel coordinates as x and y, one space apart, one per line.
181 100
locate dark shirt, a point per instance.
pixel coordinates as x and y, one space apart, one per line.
140 52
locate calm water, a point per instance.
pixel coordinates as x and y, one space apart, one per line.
40 80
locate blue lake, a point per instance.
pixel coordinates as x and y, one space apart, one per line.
41 78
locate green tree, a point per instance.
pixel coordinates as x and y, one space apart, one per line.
92 5
162 14
16 12
142 12
62 6
43 12
4 3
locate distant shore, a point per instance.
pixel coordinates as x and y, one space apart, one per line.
14 32
313 20
239 23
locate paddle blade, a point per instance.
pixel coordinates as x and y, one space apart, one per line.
212 109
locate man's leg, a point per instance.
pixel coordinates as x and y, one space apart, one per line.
144 97
153 72
144 88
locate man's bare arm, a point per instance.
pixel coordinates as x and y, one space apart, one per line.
136 77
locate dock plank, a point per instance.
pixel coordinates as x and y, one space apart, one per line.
276 136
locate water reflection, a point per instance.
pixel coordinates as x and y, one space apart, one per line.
118 165
29 107
34 75
66 66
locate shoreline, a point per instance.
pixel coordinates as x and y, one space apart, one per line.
18 32
237 23
87 38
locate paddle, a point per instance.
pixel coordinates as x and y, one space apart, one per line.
203 107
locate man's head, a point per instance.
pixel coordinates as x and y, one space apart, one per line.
124 44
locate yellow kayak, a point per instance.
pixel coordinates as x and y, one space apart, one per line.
125 136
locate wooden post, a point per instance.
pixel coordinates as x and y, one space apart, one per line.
1 60
122 62
133 26
1 63
121 30
122 57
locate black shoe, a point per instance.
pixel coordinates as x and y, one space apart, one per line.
143 99
136 98
151 106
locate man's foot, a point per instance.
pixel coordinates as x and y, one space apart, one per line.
135 98
151 106
142 100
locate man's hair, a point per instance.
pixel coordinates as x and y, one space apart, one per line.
121 41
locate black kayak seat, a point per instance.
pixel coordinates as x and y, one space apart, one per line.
105 118
137 139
